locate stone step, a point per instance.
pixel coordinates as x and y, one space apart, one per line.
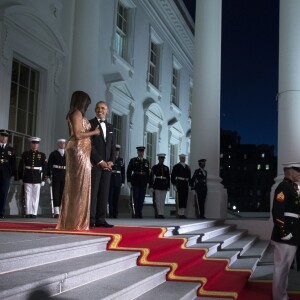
227 238
258 249
171 290
47 248
127 284
242 244
191 227
63 275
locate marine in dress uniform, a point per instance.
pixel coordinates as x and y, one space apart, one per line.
199 183
117 181
180 178
285 235
56 172
8 168
160 182
138 173
32 171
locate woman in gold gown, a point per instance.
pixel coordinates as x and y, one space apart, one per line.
75 205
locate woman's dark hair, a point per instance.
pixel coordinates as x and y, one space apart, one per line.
79 101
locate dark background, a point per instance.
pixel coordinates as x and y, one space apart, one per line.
249 68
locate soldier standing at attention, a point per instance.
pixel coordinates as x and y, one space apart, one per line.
56 172
7 168
138 172
160 182
286 231
117 181
32 171
180 178
199 183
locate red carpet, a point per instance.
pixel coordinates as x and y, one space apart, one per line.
186 264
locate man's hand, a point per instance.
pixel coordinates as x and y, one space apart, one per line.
129 184
42 183
110 164
49 180
122 185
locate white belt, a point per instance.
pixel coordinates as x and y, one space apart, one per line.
292 215
115 171
160 177
182 178
58 167
33 168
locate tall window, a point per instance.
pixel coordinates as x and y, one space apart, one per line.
23 104
149 148
174 89
117 123
121 40
154 64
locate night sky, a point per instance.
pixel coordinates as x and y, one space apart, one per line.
249 70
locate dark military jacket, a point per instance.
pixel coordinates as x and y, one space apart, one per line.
32 167
118 172
8 162
199 180
160 177
138 171
182 172
56 164
286 208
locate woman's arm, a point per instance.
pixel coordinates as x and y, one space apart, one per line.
76 122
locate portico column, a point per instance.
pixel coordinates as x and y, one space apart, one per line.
85 49
288 86
205 131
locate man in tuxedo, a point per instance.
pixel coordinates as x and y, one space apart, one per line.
102 158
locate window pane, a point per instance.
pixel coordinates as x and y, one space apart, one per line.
24 76
13 94
23 98
32 102
31 125
12 118
21 121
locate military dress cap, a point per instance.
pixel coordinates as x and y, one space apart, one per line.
202 160
161 155
182 155
4 132
34 140
61 140
118 146
292 165
140 148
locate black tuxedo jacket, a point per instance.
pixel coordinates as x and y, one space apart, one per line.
102 149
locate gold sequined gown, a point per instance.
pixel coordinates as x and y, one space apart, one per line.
75 204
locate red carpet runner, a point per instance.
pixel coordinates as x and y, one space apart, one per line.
186 264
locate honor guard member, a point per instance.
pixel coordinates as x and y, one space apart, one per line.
180 178
160 182
138 173
32 171
286 231
117 181
56 171
199 184
8 168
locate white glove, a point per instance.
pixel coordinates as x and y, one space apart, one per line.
175 189
287 237
49 181
42 183
122 185
129 184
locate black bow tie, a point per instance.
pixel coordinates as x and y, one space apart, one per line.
102 121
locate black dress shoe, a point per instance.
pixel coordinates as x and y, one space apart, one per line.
92 225
104 224
33 216
28 216
56 216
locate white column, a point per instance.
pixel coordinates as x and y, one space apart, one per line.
205 133
85 50
288 86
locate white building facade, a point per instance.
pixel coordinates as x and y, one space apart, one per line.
136 55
